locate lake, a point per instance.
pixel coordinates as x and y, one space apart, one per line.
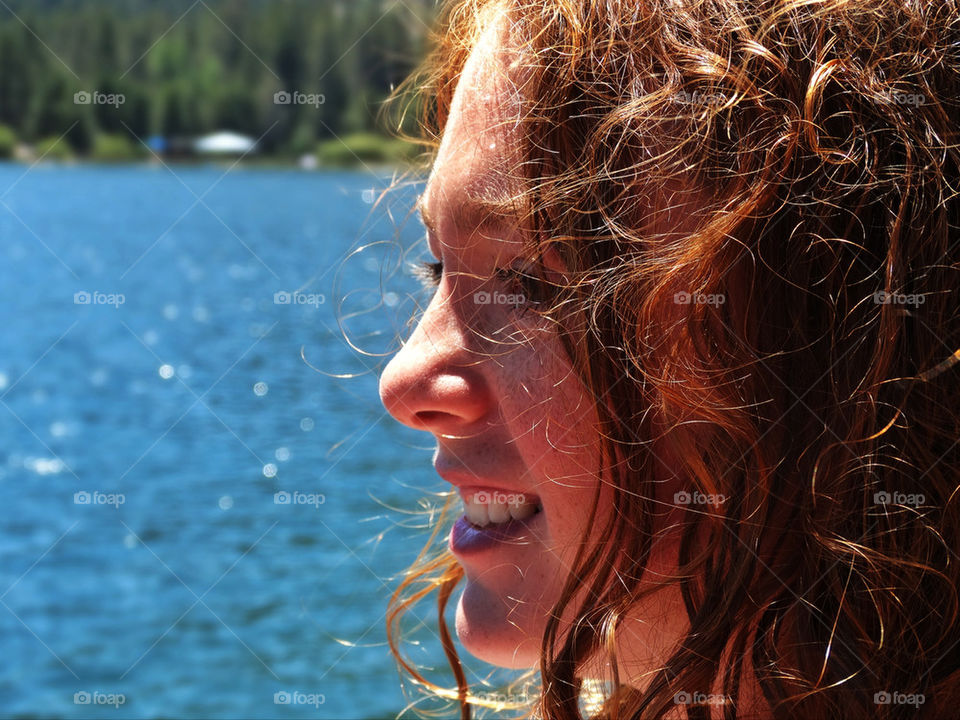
202 496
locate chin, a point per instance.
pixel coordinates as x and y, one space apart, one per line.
496 630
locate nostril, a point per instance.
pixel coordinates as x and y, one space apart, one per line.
428 418
432 392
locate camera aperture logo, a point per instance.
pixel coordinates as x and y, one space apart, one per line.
83 697
96 497
282 297
84 297
899 498
488 497
700 698
882 297
95 97
885 697
295 697
898 97
507 699
483 297
284 97
298 498
698 498
686 298
700 97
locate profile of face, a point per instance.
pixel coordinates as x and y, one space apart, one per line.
487 376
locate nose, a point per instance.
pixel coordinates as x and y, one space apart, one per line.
435 382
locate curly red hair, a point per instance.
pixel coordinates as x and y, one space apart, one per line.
817 391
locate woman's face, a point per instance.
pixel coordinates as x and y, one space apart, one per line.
486 375
482 372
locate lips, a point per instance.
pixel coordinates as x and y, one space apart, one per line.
488 506
495 518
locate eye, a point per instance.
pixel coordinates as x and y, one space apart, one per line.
520 281
429 273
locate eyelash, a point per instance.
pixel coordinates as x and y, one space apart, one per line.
430 273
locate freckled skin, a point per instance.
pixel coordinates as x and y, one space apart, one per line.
496 390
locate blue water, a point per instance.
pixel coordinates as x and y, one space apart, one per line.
199 595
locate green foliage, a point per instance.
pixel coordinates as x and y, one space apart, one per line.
302 141
53 148
8 141
108 147
217 67
364 147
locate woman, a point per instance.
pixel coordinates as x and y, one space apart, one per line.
690 358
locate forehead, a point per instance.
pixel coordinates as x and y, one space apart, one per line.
478 152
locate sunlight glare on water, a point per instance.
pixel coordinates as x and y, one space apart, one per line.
146 443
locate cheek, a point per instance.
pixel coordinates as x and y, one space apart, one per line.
552 422
549 425
549 412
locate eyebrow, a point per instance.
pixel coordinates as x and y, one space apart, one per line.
472 213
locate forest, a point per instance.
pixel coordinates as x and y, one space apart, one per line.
101 78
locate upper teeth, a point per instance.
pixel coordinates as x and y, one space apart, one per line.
483 509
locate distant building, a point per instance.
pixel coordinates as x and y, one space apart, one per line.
224 143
